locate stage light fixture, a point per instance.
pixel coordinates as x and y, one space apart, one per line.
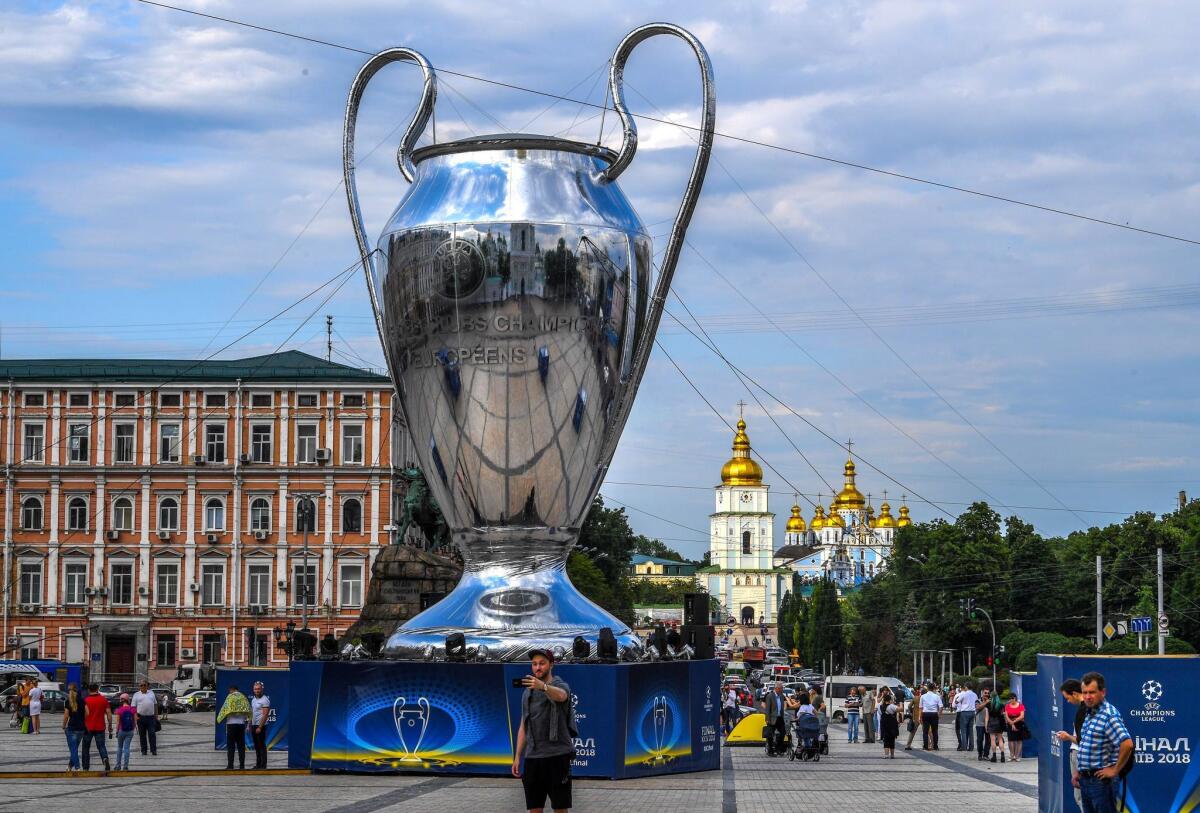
456 647
581 648
373 643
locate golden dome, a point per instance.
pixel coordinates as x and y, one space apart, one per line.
886 520
870 517
835 520
795 523
905 520
741 470
818 521
849 497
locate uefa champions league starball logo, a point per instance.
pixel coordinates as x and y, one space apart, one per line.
1152 690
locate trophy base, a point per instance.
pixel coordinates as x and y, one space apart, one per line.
504 616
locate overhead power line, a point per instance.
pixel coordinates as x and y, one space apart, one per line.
728 136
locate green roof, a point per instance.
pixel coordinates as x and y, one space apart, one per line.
290 365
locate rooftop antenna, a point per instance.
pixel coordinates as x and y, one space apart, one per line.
329 337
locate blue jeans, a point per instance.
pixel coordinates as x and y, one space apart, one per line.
101 748
965 720
124 739
73 738
852 726
1098 795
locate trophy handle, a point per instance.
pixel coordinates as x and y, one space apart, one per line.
691 194
403 153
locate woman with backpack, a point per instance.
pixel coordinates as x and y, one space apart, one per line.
126 716
996 725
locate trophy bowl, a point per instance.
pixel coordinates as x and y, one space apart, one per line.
513 292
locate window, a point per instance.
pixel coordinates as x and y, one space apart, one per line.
35 399
124 399
122 514
304 588
29 648
258 585
306 443
170 400
120 583
164 650
260 514
352 517
166 584
260 443
745 542
260 399
214 399
168 443
212 645
35 442
79 399
30 591
352 443
75 583
214 515
306 515
77 442
352 401
214 442
351 585
306 400
31 514
212 584
123 443
168 514
77 514
259 649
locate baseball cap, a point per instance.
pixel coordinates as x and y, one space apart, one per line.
545 653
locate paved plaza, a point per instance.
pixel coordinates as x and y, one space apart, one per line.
851 777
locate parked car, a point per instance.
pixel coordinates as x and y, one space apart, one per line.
9 695
198 700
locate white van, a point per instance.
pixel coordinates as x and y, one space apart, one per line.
838 686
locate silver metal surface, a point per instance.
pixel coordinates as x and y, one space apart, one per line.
513 294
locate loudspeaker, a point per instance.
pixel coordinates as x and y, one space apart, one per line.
658 639
606 646
695 609
702 640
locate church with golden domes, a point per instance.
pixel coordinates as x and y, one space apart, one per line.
849 545
742 574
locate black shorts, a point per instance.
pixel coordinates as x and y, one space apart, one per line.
547 776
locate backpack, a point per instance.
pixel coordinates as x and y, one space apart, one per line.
126 719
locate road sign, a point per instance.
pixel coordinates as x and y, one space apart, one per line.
1109 630
1163 623
1122 628
1143 623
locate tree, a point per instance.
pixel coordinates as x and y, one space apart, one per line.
824 632
588 579
653 547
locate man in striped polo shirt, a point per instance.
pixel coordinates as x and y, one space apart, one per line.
1104 748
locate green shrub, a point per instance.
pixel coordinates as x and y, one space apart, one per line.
1127 645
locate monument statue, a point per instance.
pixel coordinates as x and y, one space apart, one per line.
421 509
515 298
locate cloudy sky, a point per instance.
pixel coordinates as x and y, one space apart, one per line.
156 168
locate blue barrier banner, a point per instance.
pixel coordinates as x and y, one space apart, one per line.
1034 708
658 729
276 685
1154 696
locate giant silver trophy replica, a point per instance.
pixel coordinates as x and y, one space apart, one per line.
512 292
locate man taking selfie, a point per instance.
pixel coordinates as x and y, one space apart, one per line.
545 737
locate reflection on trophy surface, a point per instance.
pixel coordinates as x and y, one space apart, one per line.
512 288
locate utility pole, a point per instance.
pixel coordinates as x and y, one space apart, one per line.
329 337
992 626
1162 638
1099 606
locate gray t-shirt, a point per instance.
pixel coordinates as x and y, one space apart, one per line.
541 738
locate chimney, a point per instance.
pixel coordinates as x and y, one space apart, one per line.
1182 499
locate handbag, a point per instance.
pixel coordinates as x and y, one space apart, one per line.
157 724
24 725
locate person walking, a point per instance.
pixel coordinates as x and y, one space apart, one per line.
235 713
729 711
97 717
995 725
931 708
1014 720
145 704
545 736
868 714
35 709
964 717
23 704
1072 692
983 745
260 715
775 705
912 715
853 708
127 725
1105 748
73 726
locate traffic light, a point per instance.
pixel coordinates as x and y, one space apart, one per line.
989 661
971 608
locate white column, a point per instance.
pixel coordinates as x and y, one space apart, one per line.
147 421
375 512
189 545
281 544
285 428
192 445
327 549
52 435
98 538
144 545
51 603
377 436
101 428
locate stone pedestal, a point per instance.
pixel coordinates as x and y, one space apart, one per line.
400 575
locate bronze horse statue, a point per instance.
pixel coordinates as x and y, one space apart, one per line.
419 508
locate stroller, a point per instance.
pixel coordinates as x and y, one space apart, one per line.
806 739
